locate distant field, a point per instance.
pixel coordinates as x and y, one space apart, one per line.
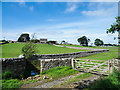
14 49
101 56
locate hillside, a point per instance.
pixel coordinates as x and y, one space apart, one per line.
14 49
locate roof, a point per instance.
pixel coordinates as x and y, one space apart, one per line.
43 39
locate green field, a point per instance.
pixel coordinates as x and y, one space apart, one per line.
104 56
101 56
14 49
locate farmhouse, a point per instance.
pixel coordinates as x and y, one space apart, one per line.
43 41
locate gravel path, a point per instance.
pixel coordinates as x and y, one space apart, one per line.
81 84
60 80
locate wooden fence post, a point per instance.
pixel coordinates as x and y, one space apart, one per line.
73 63
41 66
110 66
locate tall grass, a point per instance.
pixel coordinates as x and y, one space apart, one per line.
9 81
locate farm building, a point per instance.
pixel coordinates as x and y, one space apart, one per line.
44 41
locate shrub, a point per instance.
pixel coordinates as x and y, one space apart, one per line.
112 81
7 75
12 83
29 50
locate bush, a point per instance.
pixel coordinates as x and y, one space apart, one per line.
7 75
29 50
112 81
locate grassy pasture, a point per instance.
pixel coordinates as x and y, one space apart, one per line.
104 56
101 56
14 49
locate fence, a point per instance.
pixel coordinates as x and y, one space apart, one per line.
95 66
113 64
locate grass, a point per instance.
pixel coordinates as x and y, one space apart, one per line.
103 56
97 61
59 72
104 65
14 49
12 83
109 83
77 78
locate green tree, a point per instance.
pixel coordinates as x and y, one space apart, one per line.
98 42
29 49
51 42
35 40
24 38
83 40
115 27
63 42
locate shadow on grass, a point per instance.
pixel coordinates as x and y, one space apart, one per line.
109 83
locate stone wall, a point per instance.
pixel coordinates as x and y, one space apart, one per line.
50 63
16 65
69 55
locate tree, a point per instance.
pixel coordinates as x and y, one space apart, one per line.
98 42
35 40
63 42
24 38
51 42
116 28
29 49
83 41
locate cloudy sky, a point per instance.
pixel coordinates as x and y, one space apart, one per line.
59 20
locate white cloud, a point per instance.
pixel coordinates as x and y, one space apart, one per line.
71 7
101 12
102 9
31 8
70 31
51 20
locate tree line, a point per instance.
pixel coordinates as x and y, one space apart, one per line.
84 41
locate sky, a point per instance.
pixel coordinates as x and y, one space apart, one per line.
59 20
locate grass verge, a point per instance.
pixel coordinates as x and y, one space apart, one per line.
59 72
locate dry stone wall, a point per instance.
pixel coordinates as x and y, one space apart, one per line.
16 65
70 55
50 63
